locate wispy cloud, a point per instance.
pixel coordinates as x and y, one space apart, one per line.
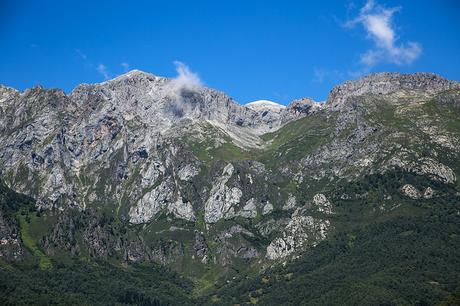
320 75
377 21
81 54
186 80
102 70
125 66
185 77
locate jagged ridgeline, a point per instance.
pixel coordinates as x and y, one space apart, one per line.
141 191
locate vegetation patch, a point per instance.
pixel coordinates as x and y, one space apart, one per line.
29 242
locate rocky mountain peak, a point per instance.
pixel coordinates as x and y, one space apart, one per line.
386 83
160 102
135 78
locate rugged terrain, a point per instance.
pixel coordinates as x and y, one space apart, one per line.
162 182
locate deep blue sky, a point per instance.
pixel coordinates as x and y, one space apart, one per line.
277 50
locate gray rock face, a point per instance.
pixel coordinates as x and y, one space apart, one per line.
268 208
182 209
300 108
222 199
322 203
158 103
151 203
188 172
161 197
98 239
274 118
386 83
425 166
429 193
291 202
301 229
410 191
249 210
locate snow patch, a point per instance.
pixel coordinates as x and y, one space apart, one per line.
261 105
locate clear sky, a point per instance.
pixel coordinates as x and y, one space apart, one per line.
275 50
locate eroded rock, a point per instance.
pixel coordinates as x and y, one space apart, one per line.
410 191
322 203
249 210
301 230
222 199
151 203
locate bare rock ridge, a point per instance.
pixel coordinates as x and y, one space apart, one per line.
147 96
387 83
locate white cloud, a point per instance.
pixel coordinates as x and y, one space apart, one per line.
125 66
102 70
377 21
185 80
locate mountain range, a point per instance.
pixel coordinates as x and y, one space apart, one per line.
146 190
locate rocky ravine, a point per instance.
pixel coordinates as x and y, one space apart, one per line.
145 169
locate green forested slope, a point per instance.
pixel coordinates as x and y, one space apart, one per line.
411 259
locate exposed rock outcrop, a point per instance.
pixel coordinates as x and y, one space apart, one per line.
386 83
410 191
222 199
301 230
322 203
